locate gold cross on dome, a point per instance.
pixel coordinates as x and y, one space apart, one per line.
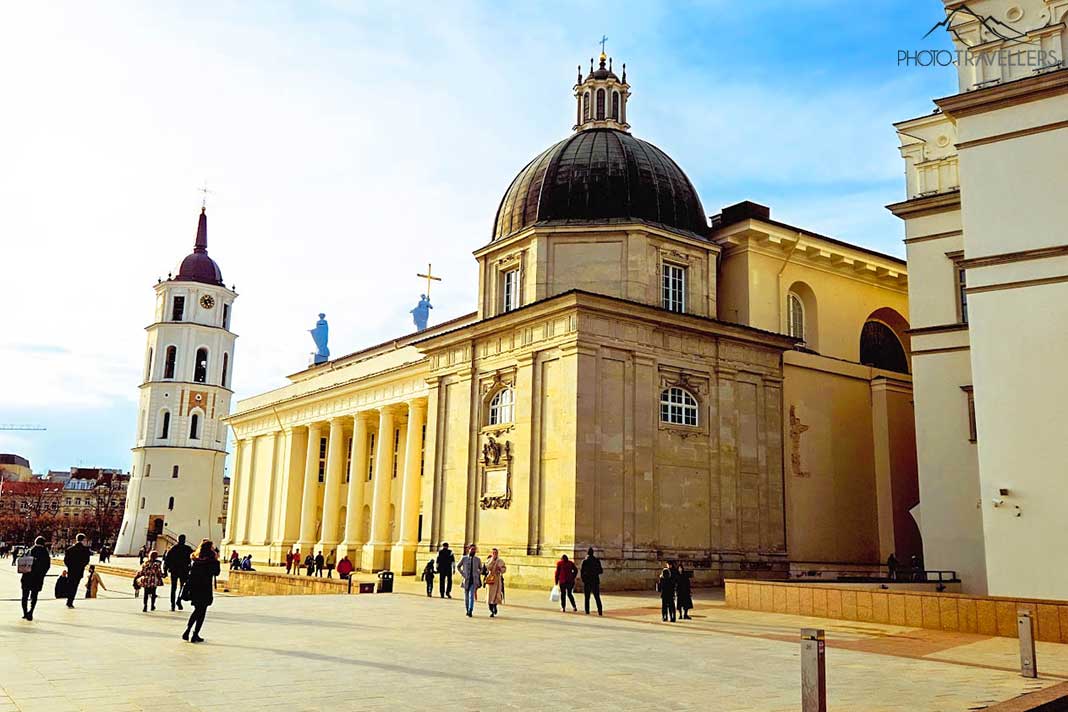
428 277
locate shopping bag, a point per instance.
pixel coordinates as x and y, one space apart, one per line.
25 564
554 595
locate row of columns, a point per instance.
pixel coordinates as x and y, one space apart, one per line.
251 483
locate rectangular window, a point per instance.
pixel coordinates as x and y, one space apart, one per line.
322 459
348 463
226 316
178 310
962 295
674 287
396 450
370 456
148 470
510 290
174 473
970 395
422 452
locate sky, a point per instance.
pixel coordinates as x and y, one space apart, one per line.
346 145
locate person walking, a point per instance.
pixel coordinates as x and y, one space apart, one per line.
666 586
289 562
320 564
591 580
470 569
331 562
446 562
309 564
141 553
149 578
494 571
683 597
176 565
199 589
565 579
93 583
76 558
297 561
428 576
33 576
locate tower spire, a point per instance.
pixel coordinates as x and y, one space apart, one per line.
201 244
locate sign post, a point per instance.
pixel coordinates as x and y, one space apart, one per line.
813 671
1026 627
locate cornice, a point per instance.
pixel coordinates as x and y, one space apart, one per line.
926 205
1020 91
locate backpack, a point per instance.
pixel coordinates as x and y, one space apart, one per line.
25 564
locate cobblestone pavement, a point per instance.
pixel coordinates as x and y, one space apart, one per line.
404 651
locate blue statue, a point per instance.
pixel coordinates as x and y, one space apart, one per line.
320 334
421 313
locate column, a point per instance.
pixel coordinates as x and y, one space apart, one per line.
231 504
277 525
335 465
246 491
310 496
375 551
351 541
403 554
271 476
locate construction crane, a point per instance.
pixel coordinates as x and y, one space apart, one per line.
11 426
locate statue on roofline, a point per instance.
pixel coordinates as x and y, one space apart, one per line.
421 313
320 334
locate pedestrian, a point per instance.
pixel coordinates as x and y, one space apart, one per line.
309 564
666 586
494 569
320 564
446 562
93 583
76 558
344 567
297 560
428 577
683 598
289 561
565 579
246 563
470 569
149 578
33 574
199 589
102 555
141 556
591 580
891 567
176 565
235 560
331 562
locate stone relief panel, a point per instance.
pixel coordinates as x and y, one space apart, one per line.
496 465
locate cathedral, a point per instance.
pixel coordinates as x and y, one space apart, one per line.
638 377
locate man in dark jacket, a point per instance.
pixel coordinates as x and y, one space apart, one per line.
33 580
176 564
320 564
75 559
446 562
591 580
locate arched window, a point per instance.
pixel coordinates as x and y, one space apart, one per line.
226 367
615 105
148 366
200 368
880 347
600 103
165 429
168 364
502 407
586 106
795 316
194 427
678 407
170 503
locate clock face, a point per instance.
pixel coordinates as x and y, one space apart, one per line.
207 301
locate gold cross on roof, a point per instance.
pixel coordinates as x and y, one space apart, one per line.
428 277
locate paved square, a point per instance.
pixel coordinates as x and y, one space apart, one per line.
404 651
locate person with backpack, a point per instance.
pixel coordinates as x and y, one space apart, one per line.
33 566
591 580
76 558
176 565
150 577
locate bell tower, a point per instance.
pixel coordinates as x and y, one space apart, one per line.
176 484
601 98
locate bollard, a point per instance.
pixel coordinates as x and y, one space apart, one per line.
1026 627
813 671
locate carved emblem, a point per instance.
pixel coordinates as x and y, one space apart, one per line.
796 429
496 466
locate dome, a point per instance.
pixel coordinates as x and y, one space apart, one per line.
601 176
197 266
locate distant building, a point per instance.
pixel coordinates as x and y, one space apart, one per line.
30 497
14 468
82 493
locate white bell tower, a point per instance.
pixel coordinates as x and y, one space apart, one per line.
176 484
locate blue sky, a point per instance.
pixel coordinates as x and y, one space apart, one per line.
348 144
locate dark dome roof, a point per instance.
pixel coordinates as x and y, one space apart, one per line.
599 176
197 266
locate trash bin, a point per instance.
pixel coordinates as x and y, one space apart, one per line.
385 582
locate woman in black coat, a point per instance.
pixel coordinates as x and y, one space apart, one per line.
200 587
682 593
666 586
33 581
